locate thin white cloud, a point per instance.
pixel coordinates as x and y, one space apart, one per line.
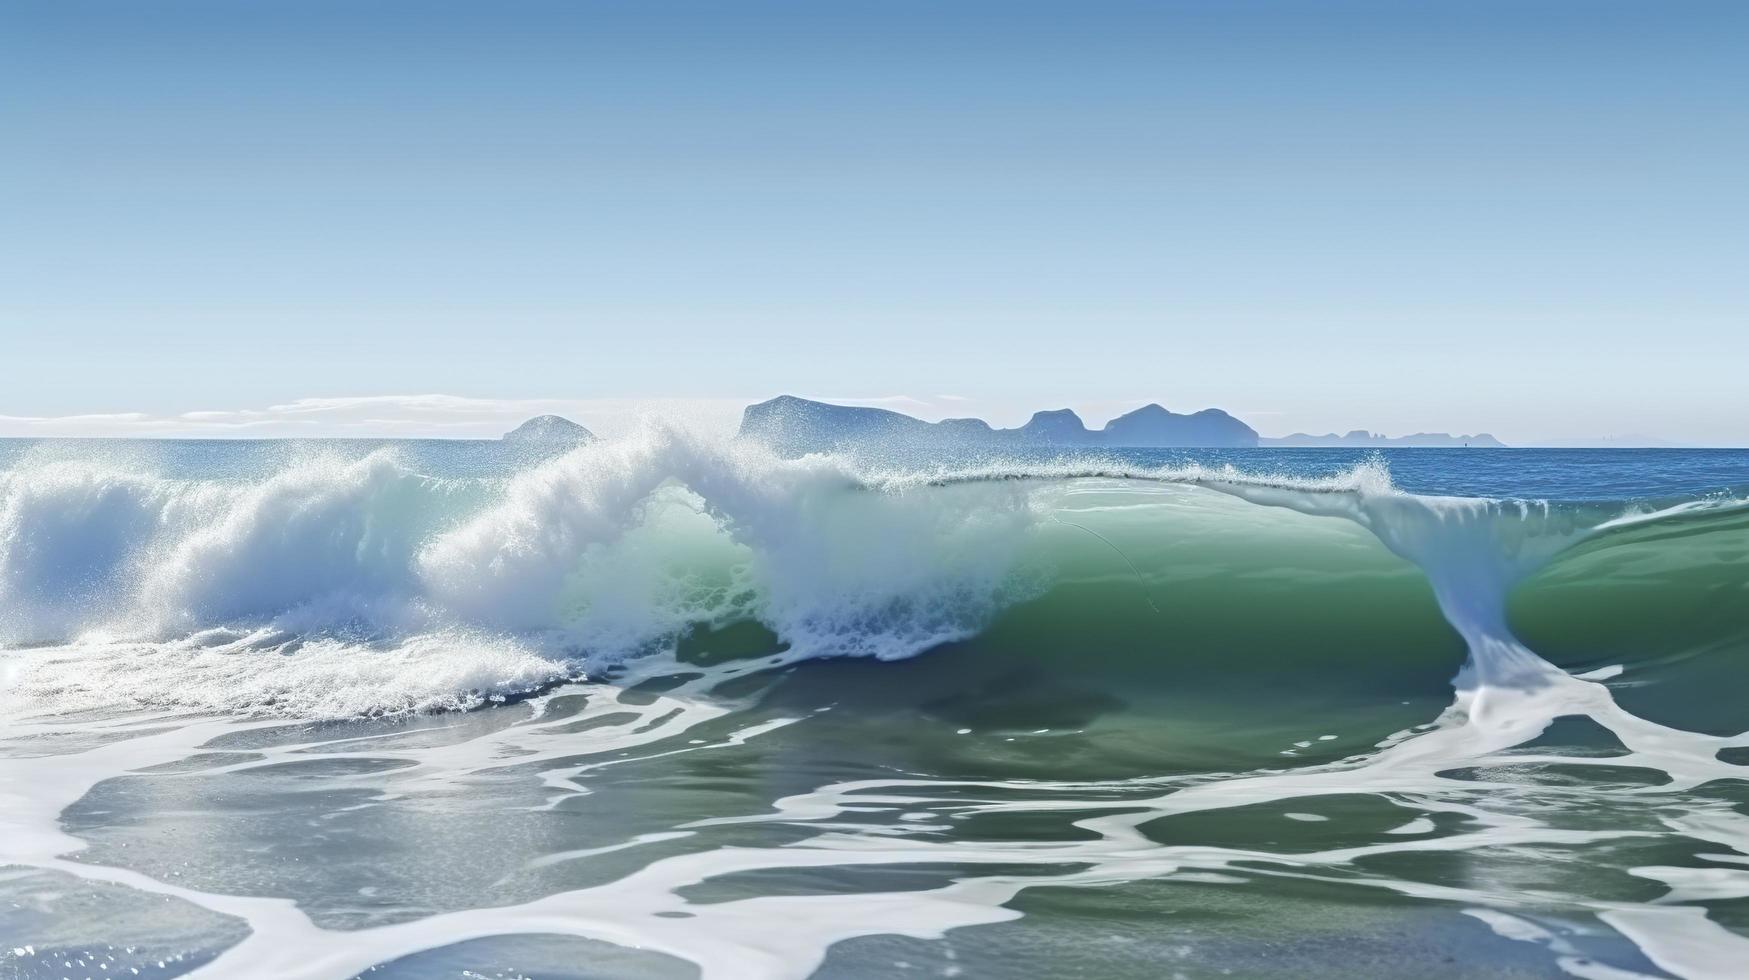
400 416
116 418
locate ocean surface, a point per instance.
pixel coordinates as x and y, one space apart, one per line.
669 707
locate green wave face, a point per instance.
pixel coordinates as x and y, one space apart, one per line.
1167 626
1178 626
1669 601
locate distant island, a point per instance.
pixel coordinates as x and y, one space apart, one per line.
1363 438
794 426
549 430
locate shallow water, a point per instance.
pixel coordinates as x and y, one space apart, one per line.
1276 713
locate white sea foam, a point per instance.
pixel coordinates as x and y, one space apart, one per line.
605 552
270 672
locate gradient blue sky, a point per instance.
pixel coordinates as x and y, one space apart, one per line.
1530 218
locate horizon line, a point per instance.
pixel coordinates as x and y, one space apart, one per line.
460 418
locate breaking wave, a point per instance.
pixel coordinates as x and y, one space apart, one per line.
339 585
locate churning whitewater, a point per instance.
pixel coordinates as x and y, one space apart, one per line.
661 706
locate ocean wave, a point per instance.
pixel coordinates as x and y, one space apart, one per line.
333 577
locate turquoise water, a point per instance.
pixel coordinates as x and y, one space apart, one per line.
661 707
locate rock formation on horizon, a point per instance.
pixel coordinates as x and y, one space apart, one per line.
1363 438
793 426
549 430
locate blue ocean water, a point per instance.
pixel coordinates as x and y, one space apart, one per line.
1544 474
1538 474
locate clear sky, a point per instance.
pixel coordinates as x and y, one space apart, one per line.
1525 217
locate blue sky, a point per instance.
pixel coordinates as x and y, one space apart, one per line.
294 217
